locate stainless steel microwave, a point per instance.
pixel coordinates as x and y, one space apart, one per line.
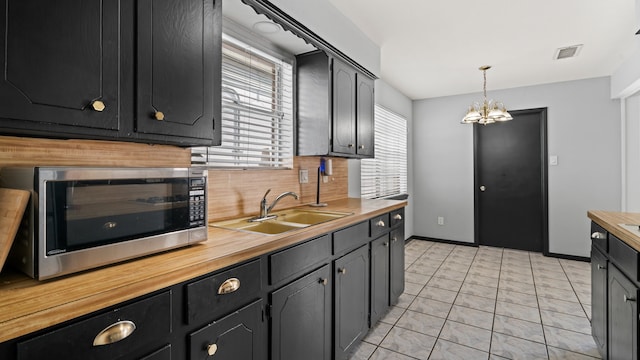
80 218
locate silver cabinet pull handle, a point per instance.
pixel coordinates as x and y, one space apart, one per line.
598 235
342 271
394 239
397 217
628 299
212 349
324 281
229 286
380 223
600 267
385 244
114 333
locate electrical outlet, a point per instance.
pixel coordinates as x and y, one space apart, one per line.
304 176
440 220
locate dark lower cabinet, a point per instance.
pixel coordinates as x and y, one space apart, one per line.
379 278
623 316
599 300
351 320
237 336
162 354
396 267
301 318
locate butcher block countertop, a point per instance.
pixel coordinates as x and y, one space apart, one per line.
27 305
611 221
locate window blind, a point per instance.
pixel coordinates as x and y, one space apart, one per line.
257 111
386 174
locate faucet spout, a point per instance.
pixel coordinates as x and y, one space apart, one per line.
265 209
288 193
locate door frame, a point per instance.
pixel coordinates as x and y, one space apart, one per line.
544 176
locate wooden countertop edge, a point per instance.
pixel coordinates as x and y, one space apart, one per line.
27 305
609 220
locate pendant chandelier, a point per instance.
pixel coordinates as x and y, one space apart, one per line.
489 111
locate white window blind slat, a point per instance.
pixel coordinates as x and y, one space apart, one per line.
257 111
386 174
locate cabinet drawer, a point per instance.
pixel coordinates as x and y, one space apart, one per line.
396 217
215 295
379 225
151 318
351 237
162 354
237 336
599 237
625 257
286 264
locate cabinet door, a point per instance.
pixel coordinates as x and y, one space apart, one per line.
301 318
396 283
623 316
599 300
344 108
365 116
379 278
178 67
351 273
58 58
238 336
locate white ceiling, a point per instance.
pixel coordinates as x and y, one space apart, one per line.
434 48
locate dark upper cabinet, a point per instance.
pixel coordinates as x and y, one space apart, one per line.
335 108
176 58
623 316
365 116
301 318
60 63
147 71
351 322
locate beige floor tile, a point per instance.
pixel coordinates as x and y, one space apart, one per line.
566 307
438 294
412 289
409 343
472 317
481 280
446 350
479 290
363 352
561 354
518 311
560 294
422 323
565 321
431 307
517 298
377 333
405 300
393 315
515 277
416 278
467 335
519 328
444 283
515 348
518 286
570 340
476 302
384 354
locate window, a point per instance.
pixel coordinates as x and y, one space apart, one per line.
257 111
386 174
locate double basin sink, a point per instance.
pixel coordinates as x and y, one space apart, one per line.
285 220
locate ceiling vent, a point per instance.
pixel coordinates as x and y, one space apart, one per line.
568 52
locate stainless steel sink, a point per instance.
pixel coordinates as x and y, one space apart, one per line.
285 220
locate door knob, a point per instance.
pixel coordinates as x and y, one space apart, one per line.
482 188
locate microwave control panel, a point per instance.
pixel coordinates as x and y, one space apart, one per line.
197 202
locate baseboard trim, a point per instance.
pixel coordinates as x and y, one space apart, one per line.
453 242
569 257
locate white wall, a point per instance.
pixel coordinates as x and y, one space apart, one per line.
583 131
631 150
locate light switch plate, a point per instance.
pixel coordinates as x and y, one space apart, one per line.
553 160
304 176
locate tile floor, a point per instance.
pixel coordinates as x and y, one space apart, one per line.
464 302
